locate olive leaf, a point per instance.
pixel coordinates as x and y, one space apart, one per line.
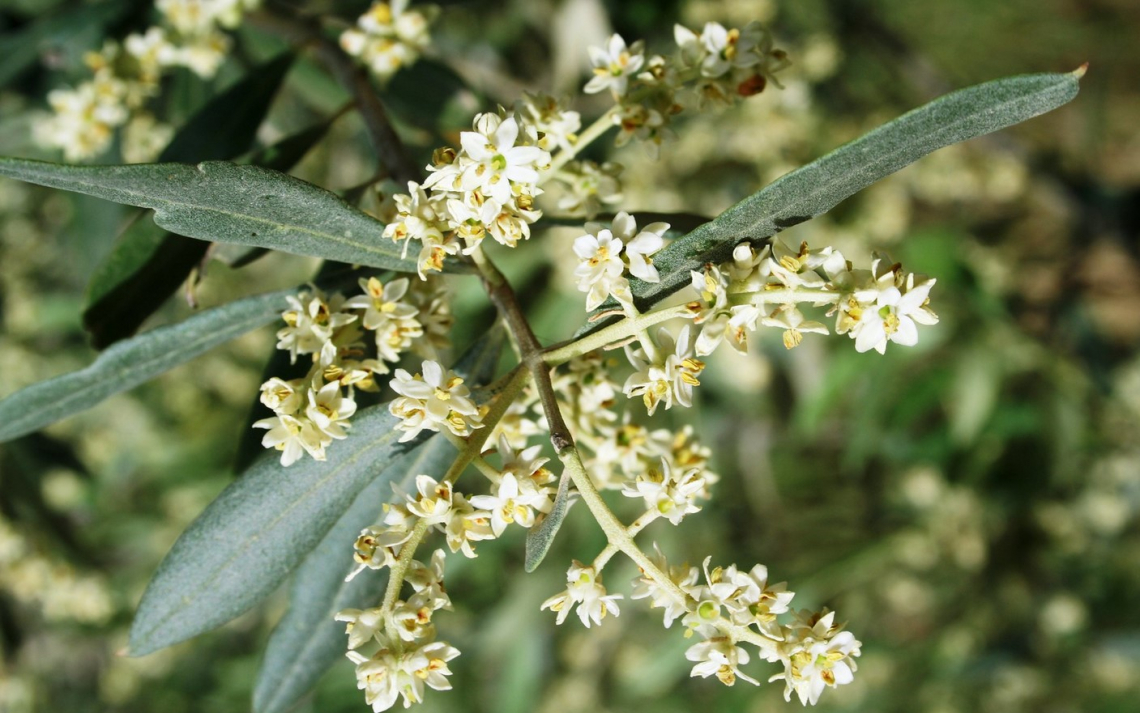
133 361
223 202
307 640
818 187
260 528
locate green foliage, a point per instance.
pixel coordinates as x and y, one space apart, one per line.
307 641
132 362
227 203
147 265
819 186
258 530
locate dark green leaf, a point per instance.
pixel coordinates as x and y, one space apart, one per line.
23 48
227 203
260 527
134 361
147 264
307 641
424 93
226 126
817 187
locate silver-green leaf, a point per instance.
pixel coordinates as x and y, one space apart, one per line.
307 641
540 537
819 186
227 203
260 528
133 361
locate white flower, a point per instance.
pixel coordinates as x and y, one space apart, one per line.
510 504
892 318
436 399
382 303
639 246
363 625
671 495
412 618
793 323
661 597
387 676
434 501
817 654
309 324
282 397
294 437
428 579
466 526
719 656
496 160
329 410
671 377
387 37
614 65
585 591
558 126
378 547
379 677
600 271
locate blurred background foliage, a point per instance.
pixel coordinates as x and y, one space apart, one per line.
969 506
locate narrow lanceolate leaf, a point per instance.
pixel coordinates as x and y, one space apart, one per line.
260 528
226 203
307 640
131 362
540 537
817 187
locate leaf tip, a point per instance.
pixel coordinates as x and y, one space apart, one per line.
1080 72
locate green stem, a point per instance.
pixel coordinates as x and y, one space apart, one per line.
785 296
624 329
618 535
592 132
634 528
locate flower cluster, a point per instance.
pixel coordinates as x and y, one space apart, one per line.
486 188
715 67
873 307
127 74
313 411
730 607
408 655
389 36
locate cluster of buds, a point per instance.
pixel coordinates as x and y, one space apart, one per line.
313 411
389 36
127 74
716 67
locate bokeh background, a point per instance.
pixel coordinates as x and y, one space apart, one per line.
969 506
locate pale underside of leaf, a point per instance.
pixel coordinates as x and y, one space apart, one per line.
257 531
307 640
